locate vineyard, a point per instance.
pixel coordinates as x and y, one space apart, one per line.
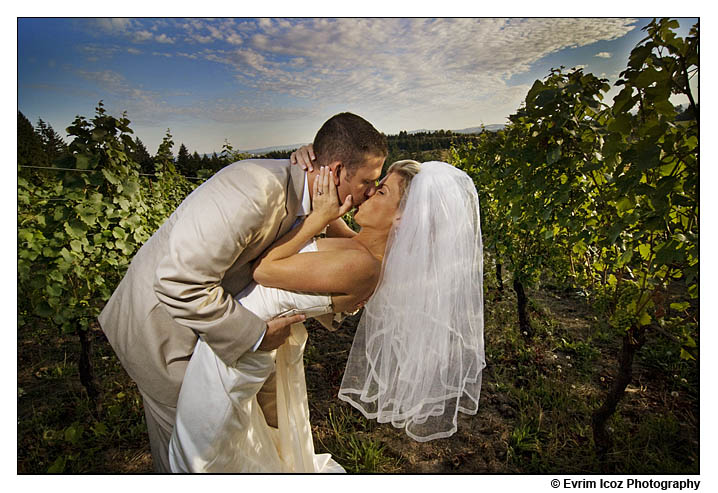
590 224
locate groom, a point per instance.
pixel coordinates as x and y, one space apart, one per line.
182 282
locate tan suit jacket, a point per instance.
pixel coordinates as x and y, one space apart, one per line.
182 282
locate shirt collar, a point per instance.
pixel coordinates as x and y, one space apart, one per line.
305 207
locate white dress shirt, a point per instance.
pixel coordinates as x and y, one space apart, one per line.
304 209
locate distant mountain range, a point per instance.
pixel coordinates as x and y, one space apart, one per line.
265 150
494 127
471 130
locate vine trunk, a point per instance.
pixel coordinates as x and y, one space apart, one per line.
522 301
499 277
633 340
87 373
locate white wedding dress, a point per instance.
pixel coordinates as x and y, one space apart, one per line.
220 427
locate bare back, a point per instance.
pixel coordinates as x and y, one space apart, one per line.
357 258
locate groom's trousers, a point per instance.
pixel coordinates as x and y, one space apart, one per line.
160 423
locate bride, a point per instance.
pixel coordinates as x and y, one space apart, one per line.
417 355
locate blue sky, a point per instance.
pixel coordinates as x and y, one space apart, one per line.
274 81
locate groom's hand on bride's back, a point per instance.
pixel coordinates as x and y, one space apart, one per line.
278 331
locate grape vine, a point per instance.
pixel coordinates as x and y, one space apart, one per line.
605 196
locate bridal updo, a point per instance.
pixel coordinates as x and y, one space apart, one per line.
407 169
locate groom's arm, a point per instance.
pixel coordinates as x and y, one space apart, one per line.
213 229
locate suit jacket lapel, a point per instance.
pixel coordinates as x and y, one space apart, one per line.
294 192
296 182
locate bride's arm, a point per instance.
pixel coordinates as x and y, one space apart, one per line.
350 272
336 272
325 209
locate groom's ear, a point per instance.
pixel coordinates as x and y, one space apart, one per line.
336 168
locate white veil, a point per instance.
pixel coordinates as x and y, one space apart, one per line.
418 352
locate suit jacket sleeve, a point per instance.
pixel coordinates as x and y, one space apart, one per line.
212 230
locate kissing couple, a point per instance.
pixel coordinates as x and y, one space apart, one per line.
208 318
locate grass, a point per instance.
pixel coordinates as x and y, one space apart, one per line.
59 428
559 378
351 444
534 416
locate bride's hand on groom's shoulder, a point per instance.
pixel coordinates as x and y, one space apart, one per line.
325 198
304 157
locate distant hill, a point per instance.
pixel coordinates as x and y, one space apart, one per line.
264 150
494 127
470 130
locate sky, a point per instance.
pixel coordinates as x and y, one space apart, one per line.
274 81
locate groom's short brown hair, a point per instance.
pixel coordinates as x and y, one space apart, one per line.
348 138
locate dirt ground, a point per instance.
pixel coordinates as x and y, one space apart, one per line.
479 445
51 400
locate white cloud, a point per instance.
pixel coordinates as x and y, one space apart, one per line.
403 67
115 24
163 38
94 53
604 54
215 32
398 63
106 79
234 39
135 30
201 39
140 36
205 31
120 95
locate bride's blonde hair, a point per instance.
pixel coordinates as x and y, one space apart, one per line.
407 169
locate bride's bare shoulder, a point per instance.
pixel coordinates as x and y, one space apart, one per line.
359 267
326 244
361 259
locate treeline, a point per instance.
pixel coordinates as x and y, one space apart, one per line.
42 146
404 145
424 141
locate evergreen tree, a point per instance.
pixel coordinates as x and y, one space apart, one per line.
205 162
164 160
195 163
215 162
141 156
278 154
30 150
183 161
227 153
53 145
